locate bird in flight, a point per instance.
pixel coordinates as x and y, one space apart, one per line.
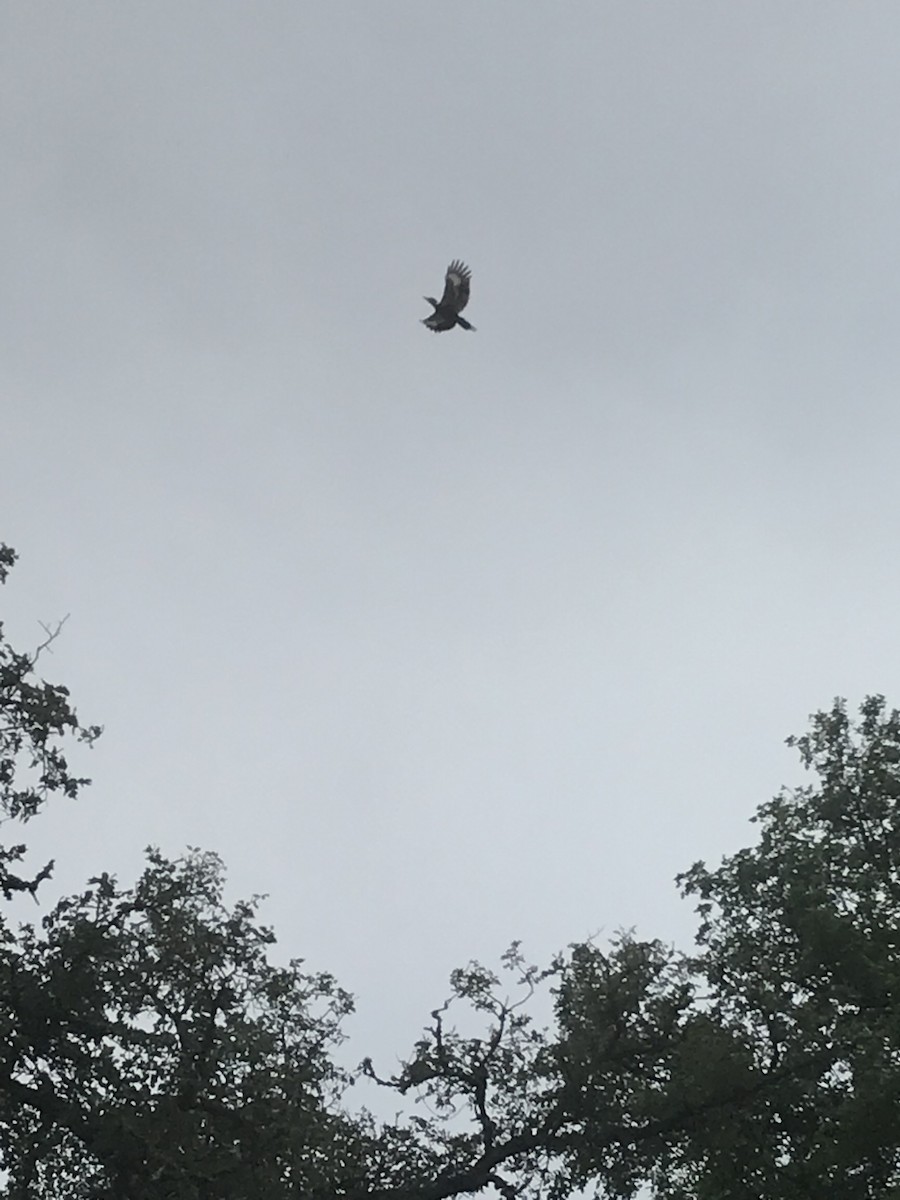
454 300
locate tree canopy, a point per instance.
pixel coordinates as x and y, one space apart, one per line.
150 1049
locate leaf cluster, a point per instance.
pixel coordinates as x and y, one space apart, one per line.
36 721
152 1049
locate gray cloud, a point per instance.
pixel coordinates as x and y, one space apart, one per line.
445 641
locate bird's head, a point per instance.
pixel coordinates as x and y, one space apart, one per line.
430 300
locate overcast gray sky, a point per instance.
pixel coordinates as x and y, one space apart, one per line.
448 640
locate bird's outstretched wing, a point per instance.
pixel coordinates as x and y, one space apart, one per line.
456 286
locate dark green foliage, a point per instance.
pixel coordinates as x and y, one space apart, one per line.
35 720
150 1049
800 948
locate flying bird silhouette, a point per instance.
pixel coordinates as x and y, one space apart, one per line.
454 300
